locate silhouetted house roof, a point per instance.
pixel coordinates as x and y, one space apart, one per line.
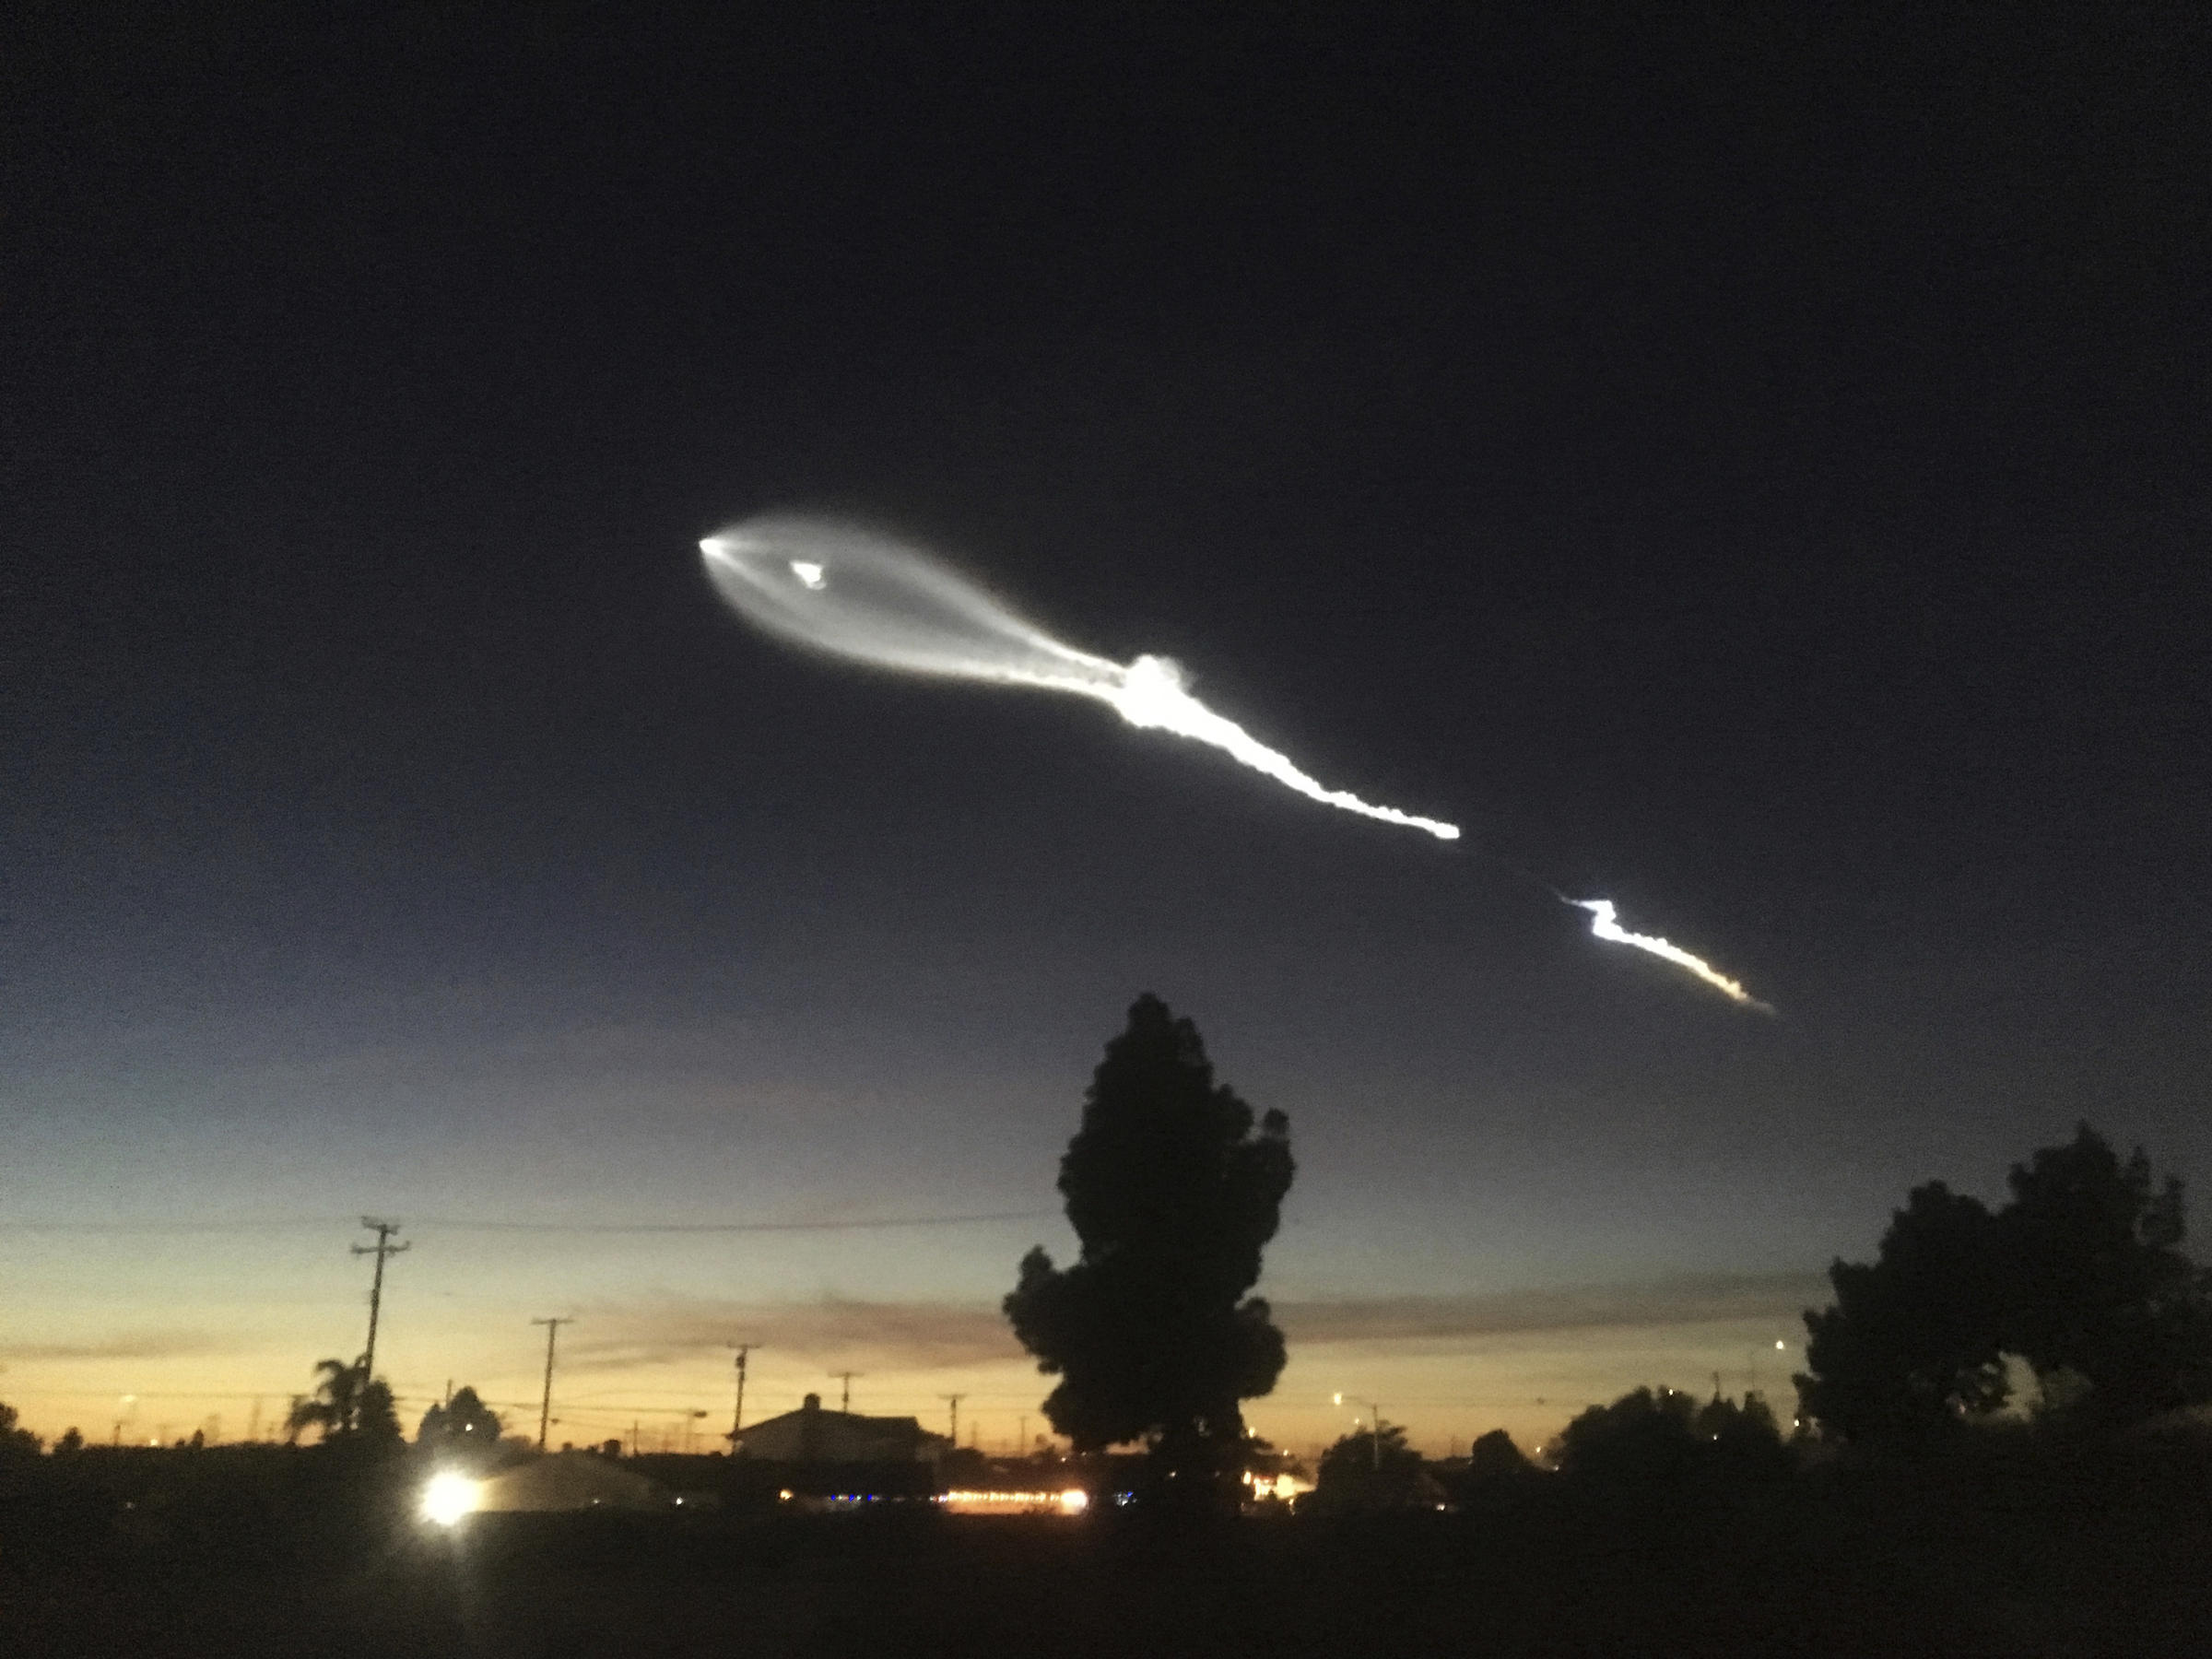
570 1480
812 1435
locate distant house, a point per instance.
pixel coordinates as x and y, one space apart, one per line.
811 1435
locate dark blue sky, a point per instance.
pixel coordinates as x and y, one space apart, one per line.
1751 470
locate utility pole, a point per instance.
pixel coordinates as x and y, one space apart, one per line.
954 1400
544 1407
382 1249
844 1402
737 1416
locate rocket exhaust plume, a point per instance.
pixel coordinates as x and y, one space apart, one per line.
1603 923
857 594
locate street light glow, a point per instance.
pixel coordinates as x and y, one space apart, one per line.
448 1498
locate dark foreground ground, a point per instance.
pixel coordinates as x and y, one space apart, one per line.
2098 1558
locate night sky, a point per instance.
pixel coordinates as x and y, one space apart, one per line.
1753 469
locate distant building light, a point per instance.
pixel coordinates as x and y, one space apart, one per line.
1074 1500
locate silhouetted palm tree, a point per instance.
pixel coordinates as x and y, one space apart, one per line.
335 1404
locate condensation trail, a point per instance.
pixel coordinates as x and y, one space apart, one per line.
858 595
1603 923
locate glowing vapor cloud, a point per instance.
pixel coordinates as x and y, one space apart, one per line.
857 594
1603 923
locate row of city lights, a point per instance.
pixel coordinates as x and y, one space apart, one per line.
449 1498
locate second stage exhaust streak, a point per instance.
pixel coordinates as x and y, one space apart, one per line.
1603 923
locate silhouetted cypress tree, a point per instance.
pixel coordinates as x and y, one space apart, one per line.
1174 1194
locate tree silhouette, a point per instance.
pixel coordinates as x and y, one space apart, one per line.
1495 1457
1666 1435
1174 1196
330 1409
1361 1473
13 1439
463 1426
345 1404
376 1420
1910 1347
2081 1274
1742 1438
2096 1282
1643 1436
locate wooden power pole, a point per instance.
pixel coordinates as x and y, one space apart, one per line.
737 1416
545 1405
382 1250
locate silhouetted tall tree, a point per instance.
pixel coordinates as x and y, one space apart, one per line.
1173 1196
1911 1347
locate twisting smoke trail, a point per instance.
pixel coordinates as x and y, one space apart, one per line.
1603 925
854 593
847 590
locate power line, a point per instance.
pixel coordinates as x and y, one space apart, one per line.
185 1224
456 1224
880 1223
